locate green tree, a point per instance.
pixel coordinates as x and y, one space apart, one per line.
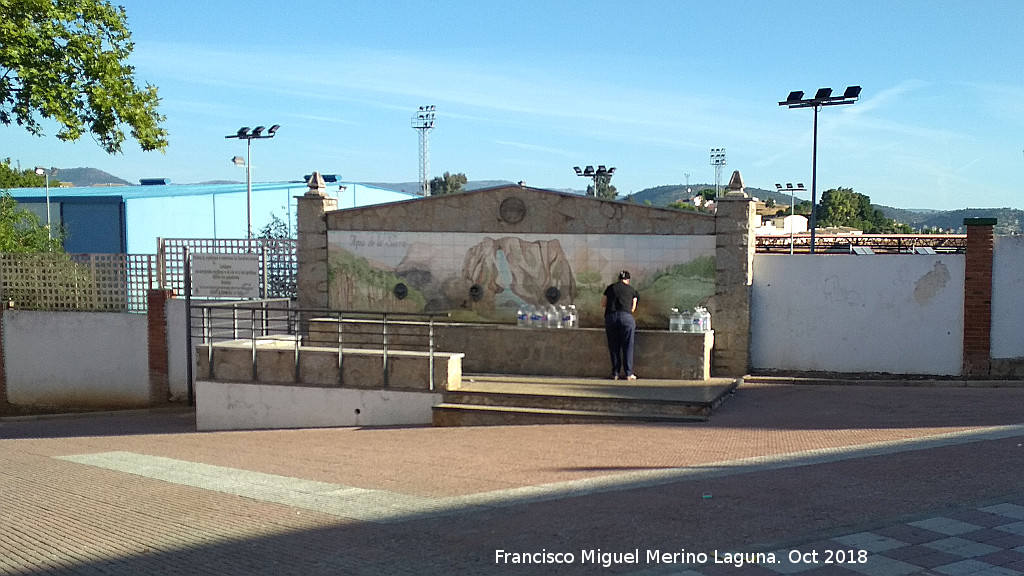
604 188
21 230
280 273
448 184
11 177
844 207
64 60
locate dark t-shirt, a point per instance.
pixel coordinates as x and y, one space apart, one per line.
620 297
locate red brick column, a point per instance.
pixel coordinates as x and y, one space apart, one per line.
978 297
156 329
3 369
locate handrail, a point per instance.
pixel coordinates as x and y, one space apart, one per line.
267 321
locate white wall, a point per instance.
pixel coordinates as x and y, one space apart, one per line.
236 406
80 358
177 349
1008 297
898 314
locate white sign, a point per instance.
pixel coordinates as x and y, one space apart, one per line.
226 275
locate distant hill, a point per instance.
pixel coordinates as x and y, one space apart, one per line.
414 187
665 195
89 177
1008 220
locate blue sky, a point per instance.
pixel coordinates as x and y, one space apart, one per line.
526 90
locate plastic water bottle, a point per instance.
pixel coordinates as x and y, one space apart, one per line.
574 317
686 321
697 321
554 317
675 321
707 320
566 317
535 317
522 317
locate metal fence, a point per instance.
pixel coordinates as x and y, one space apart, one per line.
278 324
85 282
278 262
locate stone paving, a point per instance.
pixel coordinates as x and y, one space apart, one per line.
843 479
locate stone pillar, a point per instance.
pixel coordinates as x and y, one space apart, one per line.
735 221
311 282
978 297
156 333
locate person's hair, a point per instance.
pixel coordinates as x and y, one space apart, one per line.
624 275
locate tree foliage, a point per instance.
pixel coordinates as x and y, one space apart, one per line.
21 230
844 207
280 276
64 60
448 184
604 188
11 177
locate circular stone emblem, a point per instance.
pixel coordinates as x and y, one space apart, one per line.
512 210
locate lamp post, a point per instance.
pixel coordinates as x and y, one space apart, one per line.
792 205
823 97
42 172
718 160
601 174
244 134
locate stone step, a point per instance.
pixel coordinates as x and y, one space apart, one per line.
446 414
502 400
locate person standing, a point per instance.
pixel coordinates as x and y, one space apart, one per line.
619 302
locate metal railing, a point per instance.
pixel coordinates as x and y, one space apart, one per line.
278 323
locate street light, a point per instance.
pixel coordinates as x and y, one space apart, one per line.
792 205
600 174
42 172
718 160
244 134
823 97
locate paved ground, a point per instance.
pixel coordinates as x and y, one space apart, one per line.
854 479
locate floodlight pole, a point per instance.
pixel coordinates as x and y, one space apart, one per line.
823 97
46 175
596 175
718 160
244 134
792 206
423 122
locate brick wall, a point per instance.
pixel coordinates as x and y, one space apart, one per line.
156 332
978 297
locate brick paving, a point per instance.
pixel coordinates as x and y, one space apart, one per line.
885 480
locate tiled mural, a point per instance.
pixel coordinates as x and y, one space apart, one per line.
487 277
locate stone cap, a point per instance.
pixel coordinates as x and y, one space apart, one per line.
317 186
735 188
979 221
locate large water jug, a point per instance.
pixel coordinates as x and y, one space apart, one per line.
554 317
686 321
697 321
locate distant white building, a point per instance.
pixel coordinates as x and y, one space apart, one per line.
782 225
